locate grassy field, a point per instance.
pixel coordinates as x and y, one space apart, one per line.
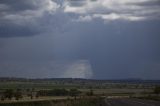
96 101
84 98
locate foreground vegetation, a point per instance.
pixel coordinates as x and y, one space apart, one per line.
72 92
94 101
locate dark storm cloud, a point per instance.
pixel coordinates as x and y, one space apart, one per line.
25 18
32 17
18 5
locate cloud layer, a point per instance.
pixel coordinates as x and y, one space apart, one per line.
22 12
130 10
32 17
25 18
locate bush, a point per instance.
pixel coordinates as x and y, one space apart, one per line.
90 93
2 98
74 93
54 92
157 90
9 94
18 94
59 92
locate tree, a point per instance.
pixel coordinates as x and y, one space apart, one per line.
37 95
2 98
90 93
59 92
74 92
18 94
31 93
9 93
157 90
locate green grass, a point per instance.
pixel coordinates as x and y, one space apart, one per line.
25 85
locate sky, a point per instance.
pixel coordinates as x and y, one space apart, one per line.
99 39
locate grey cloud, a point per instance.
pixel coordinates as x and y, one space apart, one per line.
26 10
32 17
25 18
107 10
15 6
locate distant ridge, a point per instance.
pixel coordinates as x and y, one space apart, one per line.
74 80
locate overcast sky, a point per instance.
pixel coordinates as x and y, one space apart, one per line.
104 39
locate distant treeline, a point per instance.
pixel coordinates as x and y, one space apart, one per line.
59 92
81 80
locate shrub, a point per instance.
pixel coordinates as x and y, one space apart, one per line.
157 90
